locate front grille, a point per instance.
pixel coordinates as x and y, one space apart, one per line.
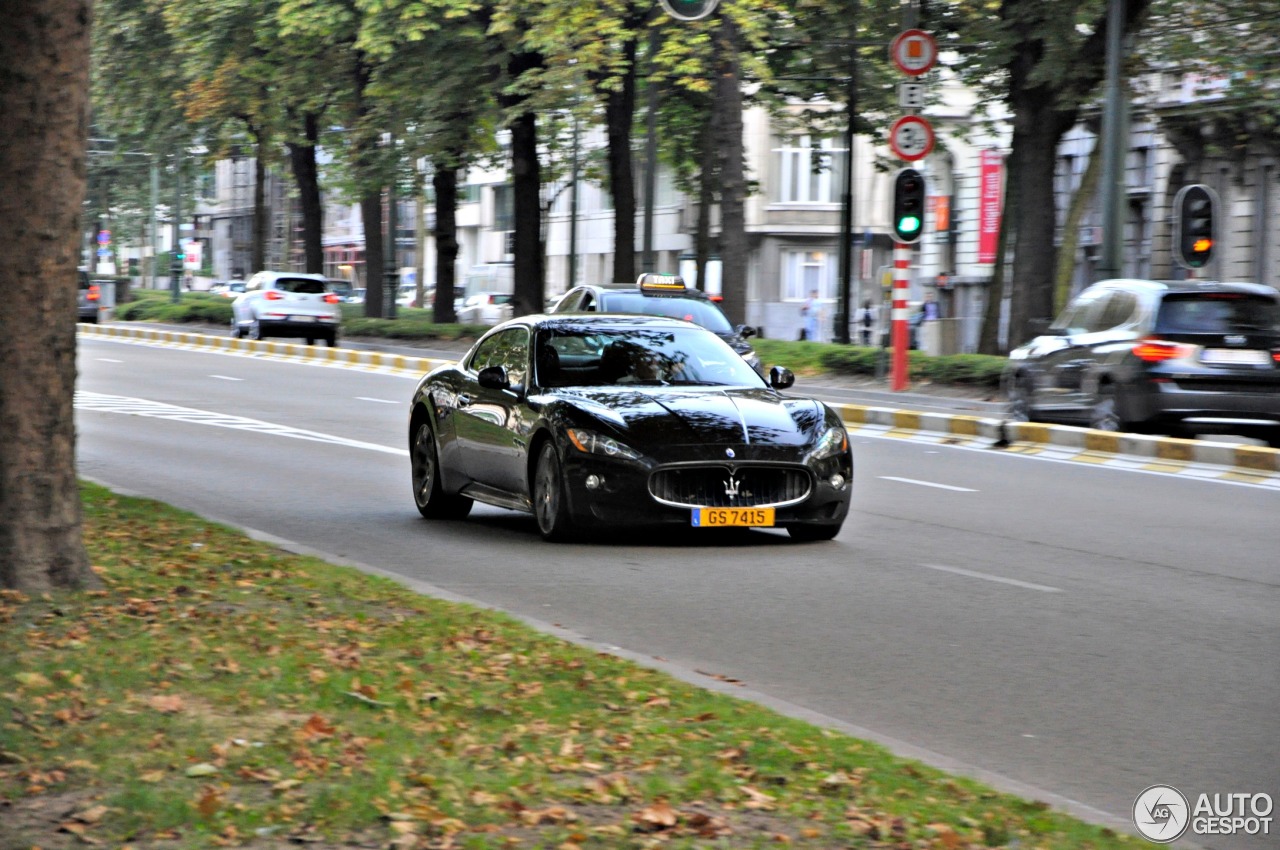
723 486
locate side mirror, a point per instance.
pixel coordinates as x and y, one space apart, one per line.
494 378
745 331
780 378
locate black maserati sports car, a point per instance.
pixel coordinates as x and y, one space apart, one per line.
601 421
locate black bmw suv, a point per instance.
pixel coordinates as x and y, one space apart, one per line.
661 295
1173 357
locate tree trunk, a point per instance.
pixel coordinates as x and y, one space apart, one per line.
706 198
306 177
1034 253
374 258
526 190
733 187
258 250
445 183
620 110
1071 229
44 92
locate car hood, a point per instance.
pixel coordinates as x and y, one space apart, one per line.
705 416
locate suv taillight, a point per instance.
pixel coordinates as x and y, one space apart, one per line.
1156 350
272 295
94 293
331 298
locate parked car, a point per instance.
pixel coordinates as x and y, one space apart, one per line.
342 288
1178 357
356 296
485 308
89 297
227 288
661 295
608 421
288 304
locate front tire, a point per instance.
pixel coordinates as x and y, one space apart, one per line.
1019 409
1104 415
428 494
550 506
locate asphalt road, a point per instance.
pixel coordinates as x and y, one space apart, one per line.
1070 632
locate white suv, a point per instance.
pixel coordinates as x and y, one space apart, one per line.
287 304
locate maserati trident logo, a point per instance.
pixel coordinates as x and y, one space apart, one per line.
731 487
729 453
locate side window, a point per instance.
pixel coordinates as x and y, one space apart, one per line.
1074 317
510 349
1118 311
571 303
588 304
1094 318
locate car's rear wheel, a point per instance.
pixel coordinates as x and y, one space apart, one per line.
311 340
549 504
1104 416
255 330
812 533
331 340
428 494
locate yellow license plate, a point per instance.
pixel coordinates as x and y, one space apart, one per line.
729 517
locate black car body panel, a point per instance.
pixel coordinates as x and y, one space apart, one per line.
713 434
1174 356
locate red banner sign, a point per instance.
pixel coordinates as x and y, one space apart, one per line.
991 186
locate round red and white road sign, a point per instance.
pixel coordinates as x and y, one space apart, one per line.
911 138
913 51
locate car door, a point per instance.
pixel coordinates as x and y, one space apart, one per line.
491 423
1062 357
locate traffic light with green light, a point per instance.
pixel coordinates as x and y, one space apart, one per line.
908 206
1193 226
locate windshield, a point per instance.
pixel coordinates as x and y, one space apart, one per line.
1218 313
654 356
690 309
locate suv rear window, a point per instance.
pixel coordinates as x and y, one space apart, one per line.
300 284
1217 313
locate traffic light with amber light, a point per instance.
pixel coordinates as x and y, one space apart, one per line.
1193 226
908 206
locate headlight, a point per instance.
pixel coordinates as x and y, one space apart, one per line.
833 442
597 444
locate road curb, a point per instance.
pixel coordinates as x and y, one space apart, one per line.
1164 454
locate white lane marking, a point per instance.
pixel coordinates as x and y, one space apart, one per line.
376 400
108 360
928 484
1043 588
159 410
226 378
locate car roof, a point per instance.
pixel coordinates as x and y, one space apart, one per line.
1187 286
696 294
575 321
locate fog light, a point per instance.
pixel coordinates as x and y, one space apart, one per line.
837 481
594 482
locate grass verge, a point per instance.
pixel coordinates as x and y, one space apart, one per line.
220 692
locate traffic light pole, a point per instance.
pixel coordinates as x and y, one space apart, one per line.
901 316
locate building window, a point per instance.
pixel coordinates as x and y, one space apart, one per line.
504 207
805 271
810 170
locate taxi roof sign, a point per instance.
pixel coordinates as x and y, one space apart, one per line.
657 282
